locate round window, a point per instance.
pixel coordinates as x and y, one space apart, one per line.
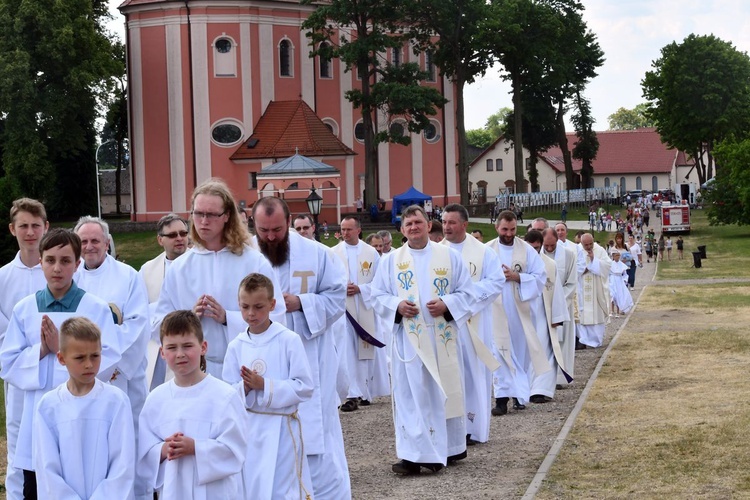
359 131
226 134
431 132
397 129
223 45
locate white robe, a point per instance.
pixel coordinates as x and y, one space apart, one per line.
119 284
570 265
275 466
477 377
593 305
210 412
423 433
203 272
530 288
153 273
16 281
84 446
22 367
618 290
318 278
368 378
544 383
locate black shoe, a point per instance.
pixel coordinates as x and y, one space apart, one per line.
364 402
455 458
517 405
349 405
579 345
559 387
405 467
469 441
433 467
501 407
540 398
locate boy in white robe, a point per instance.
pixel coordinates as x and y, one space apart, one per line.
622 301
268 365
19 278
84 440
191 432
31 342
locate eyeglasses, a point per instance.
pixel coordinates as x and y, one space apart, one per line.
206 215
174 235
302 228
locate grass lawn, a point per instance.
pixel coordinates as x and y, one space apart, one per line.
728 252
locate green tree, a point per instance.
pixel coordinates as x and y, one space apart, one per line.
587 146
496 123
479 138
458 52
116 128
728 200
359 32
631 119
698 94
55 58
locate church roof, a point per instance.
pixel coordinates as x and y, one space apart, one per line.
621 152
288 128
296 166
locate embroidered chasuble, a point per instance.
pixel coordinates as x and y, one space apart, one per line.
523 307
549 292
442 365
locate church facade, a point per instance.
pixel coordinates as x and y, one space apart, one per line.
202 75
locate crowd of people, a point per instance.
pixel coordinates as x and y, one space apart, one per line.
219 369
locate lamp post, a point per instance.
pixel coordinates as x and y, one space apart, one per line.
96 165
314 203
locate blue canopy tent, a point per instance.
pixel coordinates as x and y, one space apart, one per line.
410 197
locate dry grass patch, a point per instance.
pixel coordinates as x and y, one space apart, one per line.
669 414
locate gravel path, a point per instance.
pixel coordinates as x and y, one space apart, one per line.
501 468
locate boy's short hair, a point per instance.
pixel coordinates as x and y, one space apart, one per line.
181 322
81 329
256 281
34 207
59 237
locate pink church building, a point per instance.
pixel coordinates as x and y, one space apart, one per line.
226 88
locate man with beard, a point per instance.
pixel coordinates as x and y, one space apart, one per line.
172 236
593 293
425 289
516 339
479 362
313 282
206 278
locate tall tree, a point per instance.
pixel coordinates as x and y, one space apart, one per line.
359 32
479 138
459 53
699 95
54 59
728 199
630 119
587 145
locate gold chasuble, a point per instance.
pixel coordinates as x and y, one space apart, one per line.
500 319
355 306
444 367
472 253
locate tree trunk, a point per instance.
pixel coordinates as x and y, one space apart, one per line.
463 149
518 133
371 147
118 172
562 142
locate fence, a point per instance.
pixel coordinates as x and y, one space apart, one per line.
548 200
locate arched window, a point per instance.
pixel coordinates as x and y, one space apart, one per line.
396 56
331 124
638 183
285 58
606 182
359 131
623 187
325 63
654 184
429 66
225 58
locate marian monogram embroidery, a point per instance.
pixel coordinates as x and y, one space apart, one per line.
405 277
441 282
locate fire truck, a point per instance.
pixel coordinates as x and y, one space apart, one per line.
675 218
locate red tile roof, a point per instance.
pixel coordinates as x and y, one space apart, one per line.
622 151
288 128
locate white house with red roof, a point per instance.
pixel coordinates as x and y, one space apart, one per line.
224 88
628 159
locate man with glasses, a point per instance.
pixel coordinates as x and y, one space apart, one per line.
172 236
206 278
387 240
305 226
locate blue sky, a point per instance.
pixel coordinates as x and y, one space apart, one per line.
631 34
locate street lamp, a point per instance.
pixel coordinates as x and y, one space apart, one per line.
98 195
314 202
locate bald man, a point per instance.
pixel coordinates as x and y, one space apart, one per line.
593 293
